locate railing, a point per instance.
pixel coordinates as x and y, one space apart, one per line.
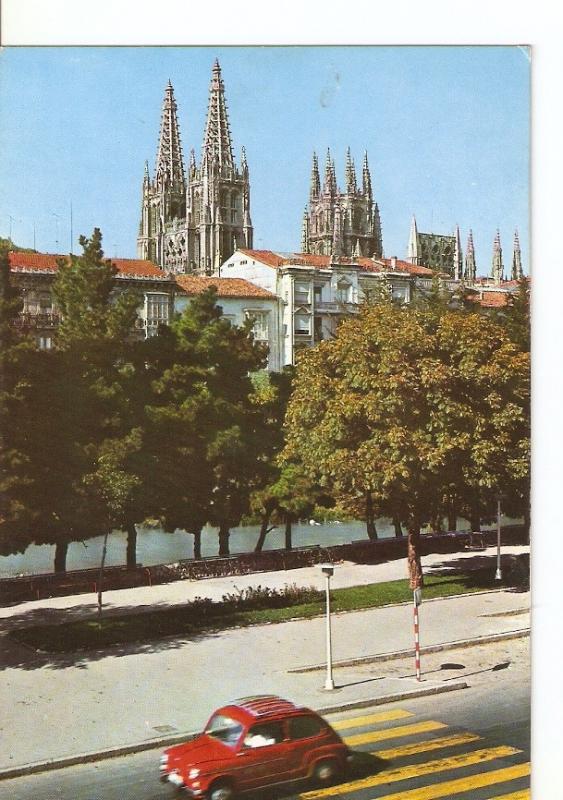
27 319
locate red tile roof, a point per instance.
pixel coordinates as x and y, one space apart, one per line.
490 299
272 259
47 262
265 256
226 287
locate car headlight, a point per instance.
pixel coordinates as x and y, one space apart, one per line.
193 773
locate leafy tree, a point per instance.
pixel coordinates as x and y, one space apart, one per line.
414 407
202 432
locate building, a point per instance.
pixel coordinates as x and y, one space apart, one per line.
436 251
341 223
317 291
191 222
34 273
239 300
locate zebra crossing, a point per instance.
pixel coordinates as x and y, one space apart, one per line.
424 760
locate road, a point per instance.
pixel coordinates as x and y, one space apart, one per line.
472 744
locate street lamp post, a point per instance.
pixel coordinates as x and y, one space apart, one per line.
328 571
498 573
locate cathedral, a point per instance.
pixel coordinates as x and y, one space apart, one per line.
341 223
190 223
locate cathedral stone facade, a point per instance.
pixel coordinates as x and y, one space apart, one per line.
341 223
190 223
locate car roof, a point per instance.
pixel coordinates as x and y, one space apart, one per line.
262 706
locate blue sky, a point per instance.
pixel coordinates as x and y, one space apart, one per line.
446 130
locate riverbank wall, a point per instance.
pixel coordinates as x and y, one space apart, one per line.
35 587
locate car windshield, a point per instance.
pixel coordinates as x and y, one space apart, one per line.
224 729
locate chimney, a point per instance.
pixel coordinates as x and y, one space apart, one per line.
393 262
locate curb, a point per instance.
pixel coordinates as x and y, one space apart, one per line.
435 648
167 741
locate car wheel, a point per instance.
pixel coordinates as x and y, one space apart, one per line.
325 771
222 790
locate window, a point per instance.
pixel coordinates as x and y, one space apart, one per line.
302 324
318 294
157 312
264 734
343 291
301 292
260 327
399 294
45 342
225 729
303 727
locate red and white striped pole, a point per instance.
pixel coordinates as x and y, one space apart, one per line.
416 603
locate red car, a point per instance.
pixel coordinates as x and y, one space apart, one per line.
252 743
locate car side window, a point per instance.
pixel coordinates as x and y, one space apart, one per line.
304 727
264 734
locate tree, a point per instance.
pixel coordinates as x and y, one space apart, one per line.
413 407
202 432
73 406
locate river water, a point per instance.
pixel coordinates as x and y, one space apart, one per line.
154 546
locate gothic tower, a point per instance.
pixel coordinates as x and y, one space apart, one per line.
517 272
343 223
193 225
470 267
458 256
497 268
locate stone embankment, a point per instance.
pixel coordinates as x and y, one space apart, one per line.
35 587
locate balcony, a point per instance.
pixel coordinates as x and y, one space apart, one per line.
335 307
29 320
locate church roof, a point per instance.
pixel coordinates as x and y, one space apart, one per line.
226 287
48 263
490 299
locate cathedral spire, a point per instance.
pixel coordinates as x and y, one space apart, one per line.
169 163
497 269
458 256
412 248
329 180
366 177
470 267
217 137
517 272
305 233
350 173
315 178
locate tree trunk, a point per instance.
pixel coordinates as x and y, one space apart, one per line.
131 546
527 522
452 520
475 520
101 575
263 531
288 543
197 544
61 550
370 520
224 534
413 556
397 526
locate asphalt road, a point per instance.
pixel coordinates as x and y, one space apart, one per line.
486 758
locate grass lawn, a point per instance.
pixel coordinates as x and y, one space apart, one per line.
203 616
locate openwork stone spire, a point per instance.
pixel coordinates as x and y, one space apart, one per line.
350 173
497 269
217 137
315 178
470 266
169 170
366 178
517 272
458 256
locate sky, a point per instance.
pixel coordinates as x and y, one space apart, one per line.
446 129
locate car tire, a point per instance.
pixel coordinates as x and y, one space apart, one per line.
325 771
221 790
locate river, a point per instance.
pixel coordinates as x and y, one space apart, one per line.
154 546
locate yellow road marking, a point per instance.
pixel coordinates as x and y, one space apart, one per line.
423 747
449 788
383 716
523 795
415 771
394 733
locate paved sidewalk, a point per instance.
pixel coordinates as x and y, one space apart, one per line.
65 705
